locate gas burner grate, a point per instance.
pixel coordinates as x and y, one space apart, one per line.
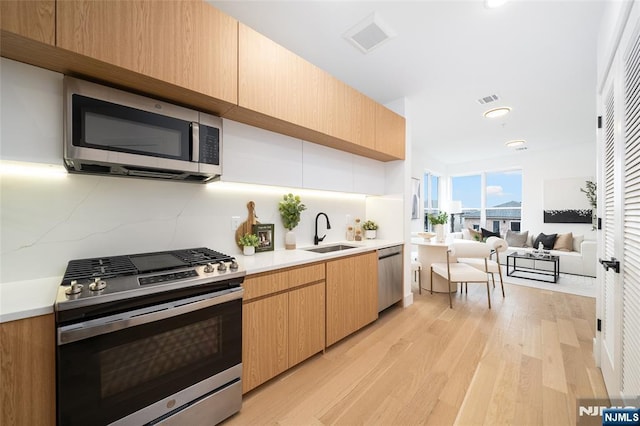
201 256
105 267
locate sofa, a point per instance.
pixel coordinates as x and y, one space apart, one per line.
581 260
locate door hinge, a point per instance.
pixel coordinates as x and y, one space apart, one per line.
599 324
599 122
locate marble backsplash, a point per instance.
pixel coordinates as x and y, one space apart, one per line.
46 221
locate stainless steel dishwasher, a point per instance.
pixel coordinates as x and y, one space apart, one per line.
389 276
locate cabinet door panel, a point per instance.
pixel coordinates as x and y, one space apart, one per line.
33 19
27 371
366 276
275 159
187 43
341 299
306 322
390 133
264 340
352 295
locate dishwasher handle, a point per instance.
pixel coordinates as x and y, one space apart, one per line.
389 252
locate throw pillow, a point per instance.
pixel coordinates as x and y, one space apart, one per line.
517 239
547 241
475 235
486 234
564 242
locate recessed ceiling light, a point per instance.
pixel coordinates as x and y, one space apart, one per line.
515 143
492 4
497 112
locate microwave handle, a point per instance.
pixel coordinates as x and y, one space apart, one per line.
195 142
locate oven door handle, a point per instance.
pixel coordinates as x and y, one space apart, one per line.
84 330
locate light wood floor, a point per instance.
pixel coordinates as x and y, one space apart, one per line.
524 362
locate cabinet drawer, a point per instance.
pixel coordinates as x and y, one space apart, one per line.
262 285
305 275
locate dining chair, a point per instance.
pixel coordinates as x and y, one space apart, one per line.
458 272
497 246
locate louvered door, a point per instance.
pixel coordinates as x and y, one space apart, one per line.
631 260
611 236
619 161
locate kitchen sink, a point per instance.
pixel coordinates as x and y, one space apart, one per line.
328 249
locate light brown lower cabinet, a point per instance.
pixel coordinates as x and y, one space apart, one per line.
306 322
352 295
282 322
264 340
27 371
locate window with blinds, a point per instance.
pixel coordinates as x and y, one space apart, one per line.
631 289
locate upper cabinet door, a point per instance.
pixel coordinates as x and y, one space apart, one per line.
186 43
34 19
350 115
390 132
307 102
277 83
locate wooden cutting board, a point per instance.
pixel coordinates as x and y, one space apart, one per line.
246 227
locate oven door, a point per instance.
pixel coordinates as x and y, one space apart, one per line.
150 362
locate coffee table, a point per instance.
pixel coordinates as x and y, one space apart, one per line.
532 272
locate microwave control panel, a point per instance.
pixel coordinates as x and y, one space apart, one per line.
209 145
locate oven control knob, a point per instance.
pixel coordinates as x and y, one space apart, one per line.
97 285
234 265
222 267
74 289
208 268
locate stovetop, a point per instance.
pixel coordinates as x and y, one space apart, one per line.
132 264
94 281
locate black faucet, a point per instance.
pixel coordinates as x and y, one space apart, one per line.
317 239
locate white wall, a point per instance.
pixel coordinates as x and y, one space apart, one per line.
537 166
46 221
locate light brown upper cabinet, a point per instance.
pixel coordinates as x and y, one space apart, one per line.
186 43
280 91
390 132
33 19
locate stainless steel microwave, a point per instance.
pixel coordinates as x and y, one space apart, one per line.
113 132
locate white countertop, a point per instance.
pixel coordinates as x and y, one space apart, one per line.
268 261
30 298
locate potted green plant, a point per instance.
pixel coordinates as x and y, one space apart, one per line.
438 221
592 196
370 228
290 208
249 242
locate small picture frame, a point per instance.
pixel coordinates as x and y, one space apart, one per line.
264 231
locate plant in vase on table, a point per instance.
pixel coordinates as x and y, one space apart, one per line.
370 228
290 208
249 242
438 221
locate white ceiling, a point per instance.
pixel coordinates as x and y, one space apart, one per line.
538 56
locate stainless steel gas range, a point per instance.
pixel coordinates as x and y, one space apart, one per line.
150 338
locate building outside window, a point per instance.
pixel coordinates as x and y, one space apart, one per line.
431 197
468 190
497 208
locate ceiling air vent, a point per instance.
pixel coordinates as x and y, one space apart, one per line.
488 99
370 33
